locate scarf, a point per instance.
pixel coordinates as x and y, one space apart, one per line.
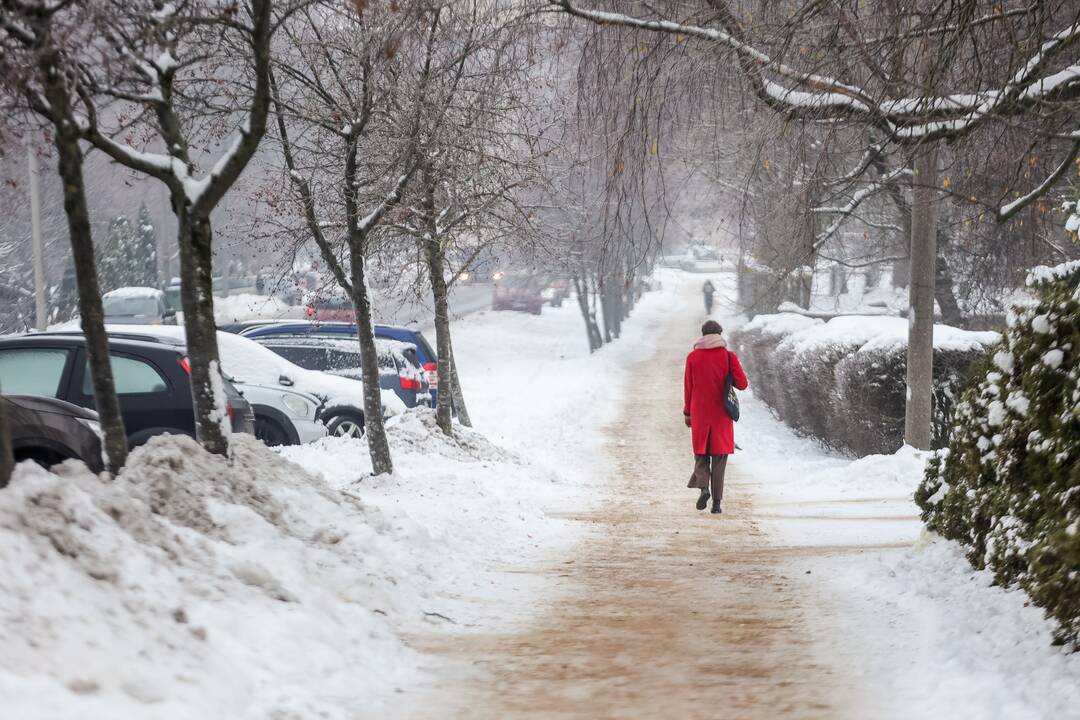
710 342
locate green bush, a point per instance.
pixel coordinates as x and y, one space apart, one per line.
1008 484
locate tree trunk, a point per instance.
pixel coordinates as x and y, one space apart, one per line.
605 308
944 292
7 457
455 386
920 352
196 239
581 289
616 305
374 427
435 262
69 154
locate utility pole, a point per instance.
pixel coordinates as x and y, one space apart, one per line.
41 310
920 352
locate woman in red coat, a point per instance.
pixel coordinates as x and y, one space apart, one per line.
703 409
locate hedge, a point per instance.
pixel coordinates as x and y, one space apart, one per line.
1008 484
843 382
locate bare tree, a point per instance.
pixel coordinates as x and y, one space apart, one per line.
349 139
38 38
174 76
477 152
1000 64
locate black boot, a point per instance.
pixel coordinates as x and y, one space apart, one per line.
715 508
703 499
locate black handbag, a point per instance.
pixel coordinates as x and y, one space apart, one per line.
731 400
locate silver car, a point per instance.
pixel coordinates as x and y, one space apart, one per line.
283 416
137 306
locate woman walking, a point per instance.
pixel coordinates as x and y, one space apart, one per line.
712 429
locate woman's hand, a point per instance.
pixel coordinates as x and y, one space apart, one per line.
686 419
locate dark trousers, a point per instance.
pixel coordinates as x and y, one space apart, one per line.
709 473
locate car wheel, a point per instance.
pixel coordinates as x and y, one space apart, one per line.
346 425
270 432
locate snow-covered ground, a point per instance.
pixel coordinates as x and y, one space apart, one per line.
189 587
909 630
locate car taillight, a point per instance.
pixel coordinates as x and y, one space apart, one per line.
185 365
408 383
229 410
432 370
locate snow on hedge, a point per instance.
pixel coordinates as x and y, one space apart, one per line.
192 586
843 381
869 332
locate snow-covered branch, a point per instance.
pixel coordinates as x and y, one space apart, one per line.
857 198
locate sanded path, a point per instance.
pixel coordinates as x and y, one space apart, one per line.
663 612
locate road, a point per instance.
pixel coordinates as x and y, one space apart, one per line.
464 300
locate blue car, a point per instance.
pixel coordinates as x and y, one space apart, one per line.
260 330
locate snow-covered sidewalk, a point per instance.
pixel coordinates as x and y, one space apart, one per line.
189 587
897 614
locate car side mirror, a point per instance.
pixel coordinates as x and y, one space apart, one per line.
285 380
169 313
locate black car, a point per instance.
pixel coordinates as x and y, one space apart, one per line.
152 381
49 431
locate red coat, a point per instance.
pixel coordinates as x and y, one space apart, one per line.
703 391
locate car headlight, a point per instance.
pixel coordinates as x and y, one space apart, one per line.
92 425
296 405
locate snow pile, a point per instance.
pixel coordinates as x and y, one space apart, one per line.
1008 483
192 587
843 381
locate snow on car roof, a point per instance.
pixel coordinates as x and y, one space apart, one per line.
248 361
133 292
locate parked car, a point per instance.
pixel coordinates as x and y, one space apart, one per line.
249 363
283 416
424 353
518 292
279 415
152 381
240 326
49 431
400 370
138 306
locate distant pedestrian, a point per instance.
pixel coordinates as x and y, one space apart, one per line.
708 289
712 429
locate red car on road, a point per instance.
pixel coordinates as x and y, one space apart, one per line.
518 292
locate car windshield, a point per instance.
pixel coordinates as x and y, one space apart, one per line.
516 281
130 306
